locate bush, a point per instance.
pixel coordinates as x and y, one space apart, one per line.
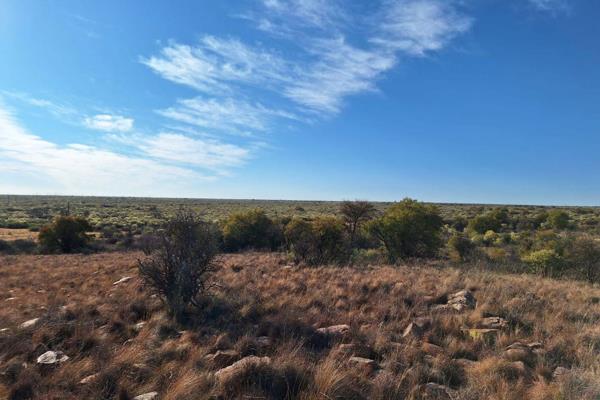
546 262
484 223
66 234
179 267
461 247
558 219
584 253
251 230
409 229
321 241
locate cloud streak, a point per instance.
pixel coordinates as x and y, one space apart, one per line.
109 123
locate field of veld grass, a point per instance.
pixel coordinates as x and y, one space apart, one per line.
391 332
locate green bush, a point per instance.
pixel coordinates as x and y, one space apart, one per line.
66 234
409 229
558 219
320 241
251 230
461 247
546 262
584 254
484 223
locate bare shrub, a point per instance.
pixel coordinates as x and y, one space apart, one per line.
178 269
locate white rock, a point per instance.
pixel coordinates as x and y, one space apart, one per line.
89 378
122 280
11 299
146 396
52 357
29 323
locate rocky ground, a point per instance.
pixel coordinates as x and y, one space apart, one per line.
74 327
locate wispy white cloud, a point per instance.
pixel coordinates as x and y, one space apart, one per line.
320 76
227 115
55 108
552 6
78 168
419 26
109 123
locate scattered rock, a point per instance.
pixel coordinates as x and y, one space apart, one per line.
264 341
225 374
465 363
89 379
365 364
222 359
432 349
462 300
493 323
11 299
413 330
434 391
146 396
485 335
52 357
519 352
30 323
138 327
4 330
122 280
335 330
559 372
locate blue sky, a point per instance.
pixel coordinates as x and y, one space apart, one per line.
494 101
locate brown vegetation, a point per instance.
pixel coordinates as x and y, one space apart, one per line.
263 323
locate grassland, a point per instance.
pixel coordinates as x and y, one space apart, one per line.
119 338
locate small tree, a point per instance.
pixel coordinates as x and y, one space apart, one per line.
66 234
409 229
461 247
179 267
558 219
355 214
316 242
251 230
546 262
584 253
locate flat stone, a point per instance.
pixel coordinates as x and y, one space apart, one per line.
147 396
123 280
225 374
30 323
223 358
89 379
52 357
462 300
493 323
335 330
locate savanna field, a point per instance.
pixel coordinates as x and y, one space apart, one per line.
121 344
297 300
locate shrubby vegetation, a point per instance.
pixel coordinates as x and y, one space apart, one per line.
320 241
251 229
67 234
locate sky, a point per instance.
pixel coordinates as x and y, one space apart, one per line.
474 101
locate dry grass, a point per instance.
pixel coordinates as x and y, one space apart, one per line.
264 308
8 234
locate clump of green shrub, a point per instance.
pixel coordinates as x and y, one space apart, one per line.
322 240
461 247
409 229
546 262
558 219
66 234
251 230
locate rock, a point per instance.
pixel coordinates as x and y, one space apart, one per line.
434 391
225 374
519 352
52 357
147 396
486 335
432 349
366 365
493 323
413 331
11 299
222 359
138 327
89 379
122 280
264 341
465 363
4 330
462 300
559 372
335 330
30 323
